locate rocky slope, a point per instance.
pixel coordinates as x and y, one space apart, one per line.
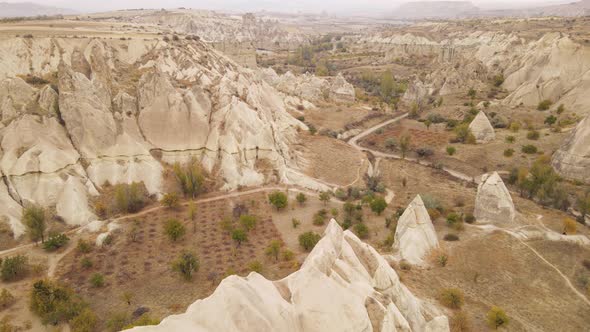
343 285
572 159
114 105
310 87
553 67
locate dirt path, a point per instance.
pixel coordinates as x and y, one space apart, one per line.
354 143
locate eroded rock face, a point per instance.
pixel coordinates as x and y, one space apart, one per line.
119 103
310 87
482 129
572 159
415 235
493 202
343 285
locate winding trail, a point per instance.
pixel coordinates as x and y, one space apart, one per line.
354 143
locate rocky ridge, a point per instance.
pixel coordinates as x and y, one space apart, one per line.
61 142
343 285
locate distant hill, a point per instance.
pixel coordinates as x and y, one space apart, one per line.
435 9
23 9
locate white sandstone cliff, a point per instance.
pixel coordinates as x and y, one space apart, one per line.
482 129
493 202
415 235
572 159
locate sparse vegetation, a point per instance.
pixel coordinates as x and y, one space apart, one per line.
378 205
239 235
190 177
273 249
248 222
170 200
451 298
278 200
186 265
34 220
361 230
6 299
130 198
174 229
97 280
497 318
301 198
544 105
451 150
308 240
14 268
55 242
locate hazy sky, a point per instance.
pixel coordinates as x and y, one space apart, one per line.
282 5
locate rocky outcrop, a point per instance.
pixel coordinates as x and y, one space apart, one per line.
120 103
310 87
482 129
493 202
572 159
415 235
343 285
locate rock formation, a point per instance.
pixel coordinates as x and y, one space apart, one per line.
310 87
493 202
176 100
415 235
343 285
482 129
572 159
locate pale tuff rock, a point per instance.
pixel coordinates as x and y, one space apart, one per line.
572 159
493 202
415 235
482 129
343 285
310 87
184 101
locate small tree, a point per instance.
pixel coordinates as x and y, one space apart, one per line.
428 123
361 230
570 227
186 264
97 280
190 177
496 318
174 229
274 249
325 197
34 220
451 150
308 240
239 235
278 200
301 198
248 222
85 321
451 298
390 143
14 268
192 215
170 200
404 145
378 205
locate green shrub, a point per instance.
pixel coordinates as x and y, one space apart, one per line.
54 302
130 198
186 265
464 134
255 266
239 235
84 246
378 205
460 322
34 220
14 268
55 242
544 105
174 229
496 318
86 263
325 197
529 149
190 177
550 120
469 218
301 198
248 222
451 298
361 230
6 299
319 218
510 139
278 199
451 150
170 200
560 109
390 143
308 240
97 280
295 222
508 153
288 255
533 135
451 237
273 249
85 321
